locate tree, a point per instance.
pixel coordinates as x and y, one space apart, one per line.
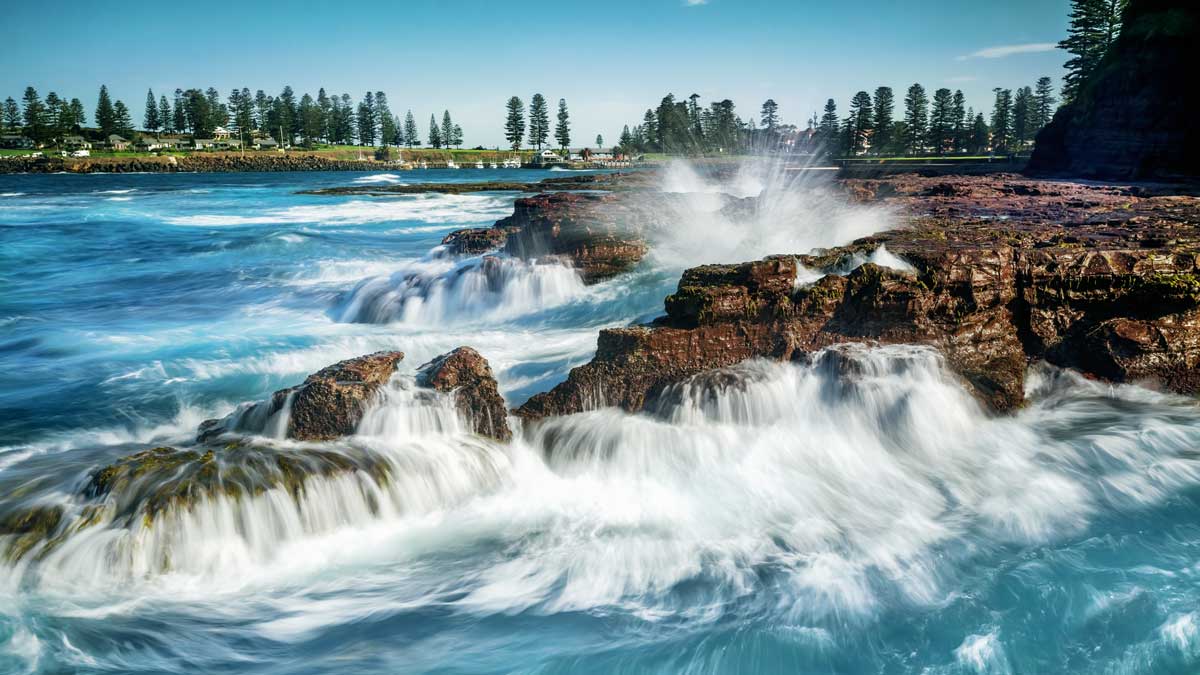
649 130
827 129
310 120
165 118
12 115
1043 103
916 119
456 139
151 121
882 139
770 115
599 142
861 122
435 134
387 123
539 121
626 142
941 122
105 115
514 122
447 129
411 137
1022 116
180 112
289 116
1094 27
122 120
979 135
197 115
1002 127
34 115
961 120
55 115
366 120
562 130
325 106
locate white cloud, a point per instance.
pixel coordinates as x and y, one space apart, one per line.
694 3
1008 50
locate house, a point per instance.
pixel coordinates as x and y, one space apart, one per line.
81 153
228 144
117 143
547 157
598 155
147 145
221 132
204 143
175 144
266 144
75 143
16 141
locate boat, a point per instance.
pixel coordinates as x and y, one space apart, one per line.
479 164
424 164
495 165
512 163
450 164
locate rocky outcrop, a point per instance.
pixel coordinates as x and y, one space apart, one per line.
601 235
329 404
1110 288
1134 118
466 375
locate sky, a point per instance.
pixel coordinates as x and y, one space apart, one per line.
610 60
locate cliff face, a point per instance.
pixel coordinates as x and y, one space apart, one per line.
1134 118
1094 278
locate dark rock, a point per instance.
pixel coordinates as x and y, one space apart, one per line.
466 374
477 240
1134 118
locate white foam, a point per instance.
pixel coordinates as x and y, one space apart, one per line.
431 208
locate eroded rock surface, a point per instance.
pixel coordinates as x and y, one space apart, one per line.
1099 278
466 375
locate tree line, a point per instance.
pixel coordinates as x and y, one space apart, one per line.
286 118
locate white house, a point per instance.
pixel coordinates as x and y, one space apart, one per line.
221 132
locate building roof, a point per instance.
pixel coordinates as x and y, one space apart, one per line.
113 138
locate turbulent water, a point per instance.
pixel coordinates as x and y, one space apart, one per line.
860 513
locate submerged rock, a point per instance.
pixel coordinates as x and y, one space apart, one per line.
1109 288
466 375
328 405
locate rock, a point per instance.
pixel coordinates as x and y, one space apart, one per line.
600 235
328 405
1132 119
467 375
1089 277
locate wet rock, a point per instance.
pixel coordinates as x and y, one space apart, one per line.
1090 277
467 375
24 529
476 240
329 404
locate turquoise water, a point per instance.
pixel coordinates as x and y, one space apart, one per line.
809 520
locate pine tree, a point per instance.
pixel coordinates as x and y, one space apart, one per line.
861 121
180 112
626 141
78 117
827 130
34 115
959 115
599 142
435 134
882 140
562 130
387 124
770 115
12 115
649 130
539 121
54 116
289 116
979 135
1094 27
1043 103
122 121
411 135
447 129
1022 117
514 122
105 115
941 121
151 122
165 117
1001 127
916 119
457 139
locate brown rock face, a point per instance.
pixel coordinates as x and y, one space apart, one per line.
601 235
329 404
1134 118
466 374
1111 288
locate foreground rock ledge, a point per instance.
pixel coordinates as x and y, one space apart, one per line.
1100 280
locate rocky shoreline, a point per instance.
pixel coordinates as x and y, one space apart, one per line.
207 163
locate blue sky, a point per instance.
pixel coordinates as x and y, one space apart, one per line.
610 60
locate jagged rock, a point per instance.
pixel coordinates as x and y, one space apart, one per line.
1112 290
328 405
476 240
1134 117
466 374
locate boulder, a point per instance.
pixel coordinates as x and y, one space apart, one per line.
466 375
329 404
